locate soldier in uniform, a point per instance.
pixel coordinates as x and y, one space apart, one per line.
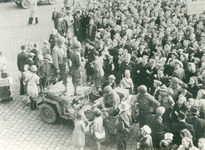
147 105
60 61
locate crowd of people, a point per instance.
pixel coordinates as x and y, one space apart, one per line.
153 48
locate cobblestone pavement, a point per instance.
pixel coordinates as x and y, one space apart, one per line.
21 128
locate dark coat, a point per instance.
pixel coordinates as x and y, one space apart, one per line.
163 79
199 126
21 60
157 128
78 28
193 90
52 41
176 108
177 127
91 31
30 62
143 75
84 23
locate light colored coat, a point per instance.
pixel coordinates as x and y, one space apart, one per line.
33 7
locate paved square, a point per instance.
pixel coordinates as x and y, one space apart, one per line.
21 128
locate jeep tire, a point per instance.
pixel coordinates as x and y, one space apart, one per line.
48 113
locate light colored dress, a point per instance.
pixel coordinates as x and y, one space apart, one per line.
32 84
78 137
98 128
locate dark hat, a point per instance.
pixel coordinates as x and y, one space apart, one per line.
181 115
194 110
23 47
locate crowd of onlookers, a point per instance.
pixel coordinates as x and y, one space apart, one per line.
152 48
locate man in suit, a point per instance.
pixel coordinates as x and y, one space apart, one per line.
198 123
177 127
21 59
91 30
78 26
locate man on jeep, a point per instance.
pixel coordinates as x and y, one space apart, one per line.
111 101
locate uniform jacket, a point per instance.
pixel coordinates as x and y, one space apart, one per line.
147 102
58 55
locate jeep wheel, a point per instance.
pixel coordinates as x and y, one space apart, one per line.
25 4
48 113
51 1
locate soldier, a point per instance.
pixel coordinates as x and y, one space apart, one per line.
147 104
59 61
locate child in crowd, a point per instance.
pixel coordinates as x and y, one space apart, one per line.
78 137
111 81
127 82
45 49
97 129
24 85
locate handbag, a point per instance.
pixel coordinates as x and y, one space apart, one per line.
4 74
99 135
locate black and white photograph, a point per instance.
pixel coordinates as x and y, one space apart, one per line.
102 74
